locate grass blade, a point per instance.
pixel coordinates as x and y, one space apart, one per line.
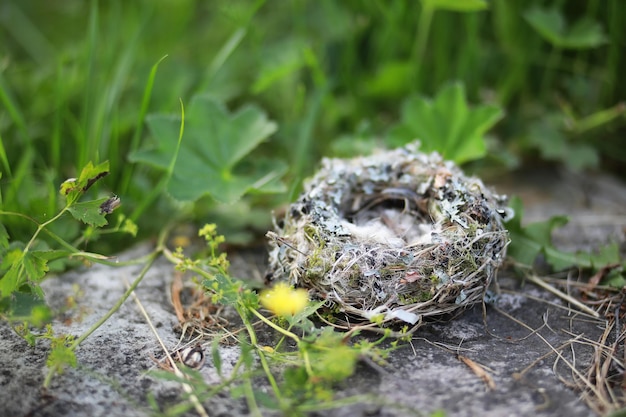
134 143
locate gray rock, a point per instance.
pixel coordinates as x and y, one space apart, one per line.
418 378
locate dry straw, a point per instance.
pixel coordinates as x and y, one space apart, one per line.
396 236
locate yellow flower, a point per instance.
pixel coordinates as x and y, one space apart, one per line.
283 300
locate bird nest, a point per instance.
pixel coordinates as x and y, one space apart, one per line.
397 236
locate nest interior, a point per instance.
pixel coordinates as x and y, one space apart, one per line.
397 236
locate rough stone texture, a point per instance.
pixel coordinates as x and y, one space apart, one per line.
419 378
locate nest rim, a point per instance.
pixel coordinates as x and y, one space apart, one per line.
441 261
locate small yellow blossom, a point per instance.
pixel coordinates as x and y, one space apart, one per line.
283 300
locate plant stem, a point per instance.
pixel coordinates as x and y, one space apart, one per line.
263 359
274 326
119 303
41 227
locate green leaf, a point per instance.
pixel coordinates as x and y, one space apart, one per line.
22 267
550 24
35 266
560 260
446 124
10 282
607 255
552 143
73 188
129 227
331 358
29 308
216 356
390 80
89 212
61 356
214 143
527 242
457 5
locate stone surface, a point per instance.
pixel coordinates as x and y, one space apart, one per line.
421 377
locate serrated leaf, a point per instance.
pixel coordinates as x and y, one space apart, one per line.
130 227
446 124
551 25
35 266
560 260
61 356
10 282
89 213
332 359
607 255
22 268
457 5
73 188
214 143
90 174
527 242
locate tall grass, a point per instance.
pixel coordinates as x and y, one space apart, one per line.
77 79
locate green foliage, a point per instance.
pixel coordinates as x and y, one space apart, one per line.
322 358
327 77
214 144
550 24
446 124
527 242
554 145
332 360
61 355
531 240
318 72
24 265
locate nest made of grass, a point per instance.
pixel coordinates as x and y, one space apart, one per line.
397 236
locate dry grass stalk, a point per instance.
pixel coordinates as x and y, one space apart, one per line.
172 363
198 317
479 371
601 381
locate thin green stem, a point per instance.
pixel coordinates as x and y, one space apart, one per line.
263 359
134 142
42 226
274 326
153 257
158 190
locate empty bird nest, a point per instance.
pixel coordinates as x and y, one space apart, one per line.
398 236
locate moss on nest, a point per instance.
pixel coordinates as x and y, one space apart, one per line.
401 234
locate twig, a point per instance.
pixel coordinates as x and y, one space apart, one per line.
538 281
479 371
560 356
192 397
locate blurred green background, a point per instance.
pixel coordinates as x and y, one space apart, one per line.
79 82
